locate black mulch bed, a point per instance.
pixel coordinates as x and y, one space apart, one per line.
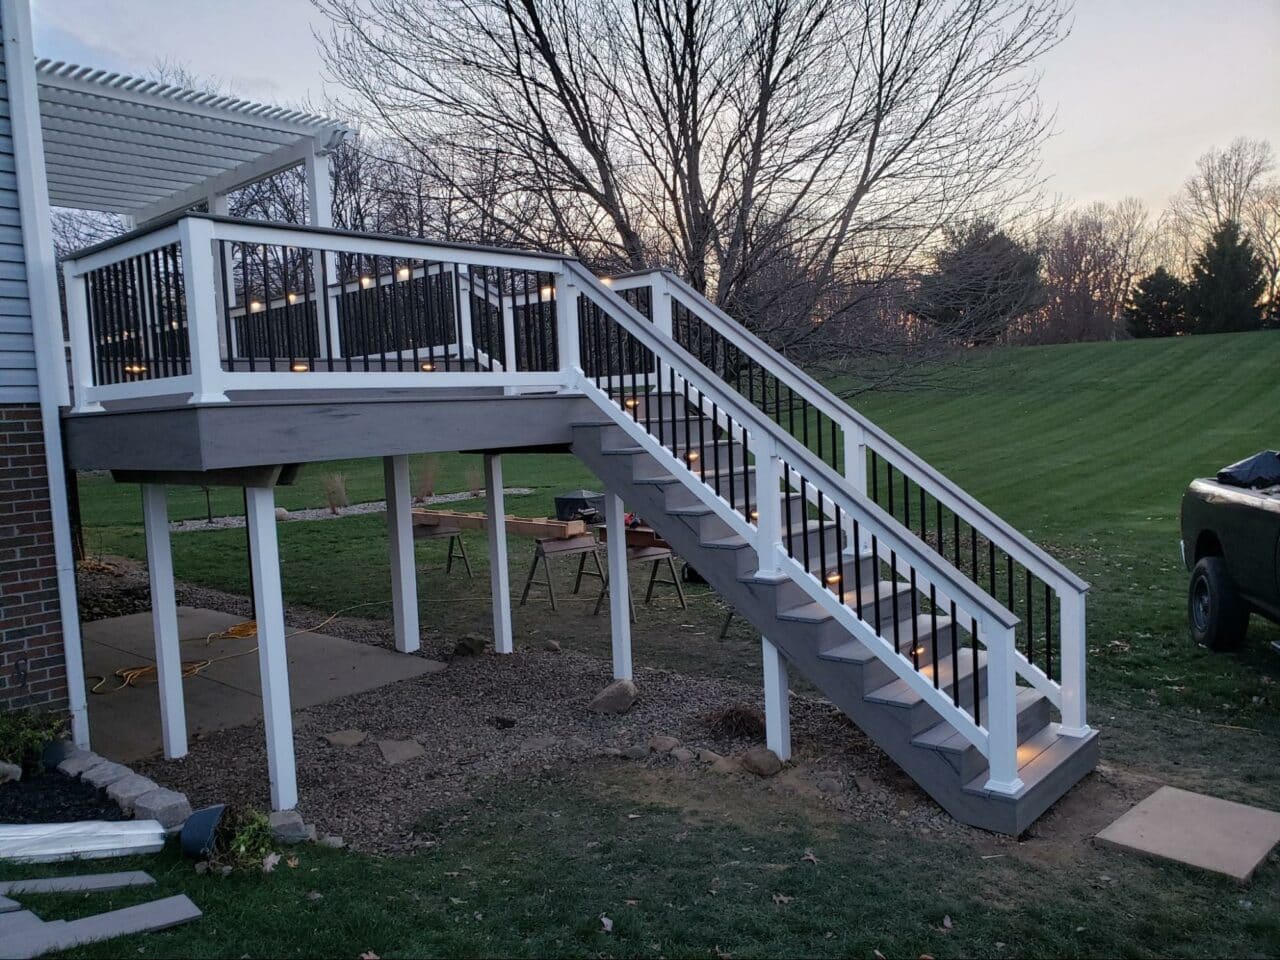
50 797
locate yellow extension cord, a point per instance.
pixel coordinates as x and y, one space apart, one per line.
146 673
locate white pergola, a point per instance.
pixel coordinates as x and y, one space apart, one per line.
145 149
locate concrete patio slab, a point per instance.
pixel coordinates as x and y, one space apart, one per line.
126 722
1202 831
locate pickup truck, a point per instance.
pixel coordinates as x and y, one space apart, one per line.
1231 545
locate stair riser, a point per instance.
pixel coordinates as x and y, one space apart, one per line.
832 632
666 406
920 716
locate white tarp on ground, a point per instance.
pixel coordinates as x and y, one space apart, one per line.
87 840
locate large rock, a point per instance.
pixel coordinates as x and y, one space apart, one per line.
761 761
400 751
287 827
104 773
10 772
663 744
682 754
617 697
168 806
127 790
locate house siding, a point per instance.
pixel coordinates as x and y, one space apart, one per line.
32 666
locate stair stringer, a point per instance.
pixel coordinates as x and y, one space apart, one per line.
728 569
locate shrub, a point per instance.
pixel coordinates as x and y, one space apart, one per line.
24 734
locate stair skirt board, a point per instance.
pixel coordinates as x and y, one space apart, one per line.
926 747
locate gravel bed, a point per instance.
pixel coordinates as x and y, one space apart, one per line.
324 513
490 718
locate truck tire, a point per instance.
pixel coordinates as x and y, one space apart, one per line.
1215 611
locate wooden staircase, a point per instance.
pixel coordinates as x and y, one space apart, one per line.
854 677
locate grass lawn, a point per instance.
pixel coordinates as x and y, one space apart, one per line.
1086 448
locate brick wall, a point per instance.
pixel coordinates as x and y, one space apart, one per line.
32 671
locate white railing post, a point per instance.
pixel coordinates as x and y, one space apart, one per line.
661 304
1072 659
855 471
200 290
466 335
1002 710
566 297
777 701
81 350
768 509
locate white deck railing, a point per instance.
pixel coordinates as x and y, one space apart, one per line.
208 306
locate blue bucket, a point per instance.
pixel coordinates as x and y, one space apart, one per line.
199 830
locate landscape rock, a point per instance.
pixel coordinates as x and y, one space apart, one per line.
830 785
127 790
552 646
761 761
663 744
637 752
333 842
78 763
709 756
104 773
726 765
282 513
683 754
10 772
864 783
537 744
168 806
470 645
617 697
400 751
346 738
287 827
610 752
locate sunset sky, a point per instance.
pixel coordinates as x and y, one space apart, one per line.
1140 87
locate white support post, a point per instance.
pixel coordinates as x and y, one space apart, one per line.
1002 711
200 290
619 587
567 295
323 269
404 571
499 576
768 510
1072 643
777 701
164 621
273 661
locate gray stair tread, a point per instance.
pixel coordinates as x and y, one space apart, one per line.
855 651
901 693
816 612
142 918
669 478
943 736
1038 758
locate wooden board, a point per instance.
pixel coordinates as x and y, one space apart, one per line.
521 526
637 537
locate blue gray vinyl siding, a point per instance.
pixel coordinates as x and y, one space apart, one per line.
17 346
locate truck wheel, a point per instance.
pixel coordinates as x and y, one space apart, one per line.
1217 615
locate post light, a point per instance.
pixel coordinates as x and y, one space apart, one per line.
546 293
607 281
293 298
755 514
255 306
366 282
403 273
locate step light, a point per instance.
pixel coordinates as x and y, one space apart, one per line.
546 293
692 456
255 306
403 273
134 368
427 367
366 282
293 298
833 577
301 367
631 403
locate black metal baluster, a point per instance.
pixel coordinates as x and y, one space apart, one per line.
977 688
955 660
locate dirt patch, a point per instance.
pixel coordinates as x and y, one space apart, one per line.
50 797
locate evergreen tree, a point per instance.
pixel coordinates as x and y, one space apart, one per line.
982 280
1227 281
1157 306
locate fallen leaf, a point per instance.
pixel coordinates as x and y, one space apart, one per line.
878 955
946 923
633 816
314 895
809 857
291 863
606 924
456 902
269 862
369 955
631 903
781 898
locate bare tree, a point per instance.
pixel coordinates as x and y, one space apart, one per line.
788 157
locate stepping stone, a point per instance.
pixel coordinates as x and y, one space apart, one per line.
399 751
7 905
1191 828
17 922
346 738
143 918
83 883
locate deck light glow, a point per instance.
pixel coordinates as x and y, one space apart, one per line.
366 282
607 281
293 298
631 403
301 367
428 367
255 305
692 456
546 293
403 273
135 368
755 514
833 577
